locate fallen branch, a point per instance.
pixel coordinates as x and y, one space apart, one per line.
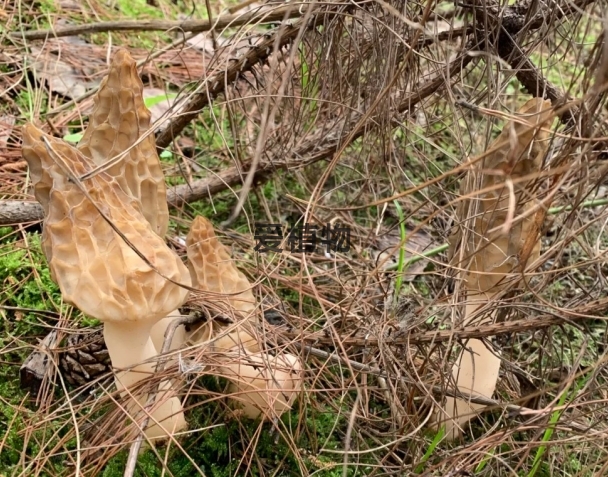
508 23
404 338
215 84
532 79
21 211
258 16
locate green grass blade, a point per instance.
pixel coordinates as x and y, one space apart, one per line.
429 452
401 262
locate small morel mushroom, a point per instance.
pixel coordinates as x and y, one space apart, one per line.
262 384
91 230
212 270
119 127
212 267
497 245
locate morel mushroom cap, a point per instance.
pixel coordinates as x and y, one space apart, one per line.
95 268
516 153
119 120
213 270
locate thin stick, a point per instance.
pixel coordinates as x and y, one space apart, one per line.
472 332
260 16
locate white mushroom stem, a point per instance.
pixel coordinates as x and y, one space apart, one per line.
263 385
129 344
475 372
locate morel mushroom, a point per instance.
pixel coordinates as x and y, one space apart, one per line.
498 246
212 270
119 126
119 130
260 383
91 230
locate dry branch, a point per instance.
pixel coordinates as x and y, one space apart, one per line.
467 332
21 211
214 85
193 26
510 21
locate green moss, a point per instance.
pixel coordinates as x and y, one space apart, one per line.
26 282
138 9
25 286
48 7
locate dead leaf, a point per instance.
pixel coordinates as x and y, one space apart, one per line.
387 247
6 128
60 77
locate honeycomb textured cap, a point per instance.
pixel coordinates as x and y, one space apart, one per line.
493 259
96 270
119 120
212 269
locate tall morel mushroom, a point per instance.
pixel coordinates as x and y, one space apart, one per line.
119 131
262 384
494 244
91 230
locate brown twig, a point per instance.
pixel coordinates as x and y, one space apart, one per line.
21 211
263 15
508 23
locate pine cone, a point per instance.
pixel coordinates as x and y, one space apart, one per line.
85 358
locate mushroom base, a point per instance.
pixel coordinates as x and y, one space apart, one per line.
261 385
475 372
129 345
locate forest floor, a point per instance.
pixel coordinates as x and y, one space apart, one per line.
339 129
